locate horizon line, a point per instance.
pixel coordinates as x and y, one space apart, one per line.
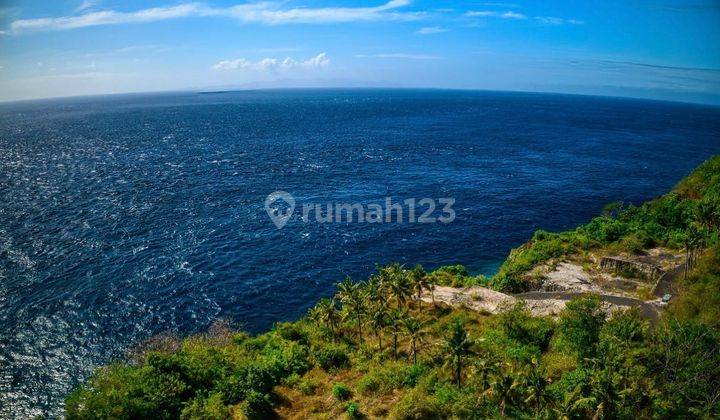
240 89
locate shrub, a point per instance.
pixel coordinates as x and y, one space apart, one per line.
341 392
580 324
417 405
307 386
389 376
331 357
287 357
353 411
257 406
292 381
519 325
687 360
255 377
633 243
292 332
210 408
454 276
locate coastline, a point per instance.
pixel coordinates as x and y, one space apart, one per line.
345 357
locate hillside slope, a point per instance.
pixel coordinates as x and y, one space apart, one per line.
376 350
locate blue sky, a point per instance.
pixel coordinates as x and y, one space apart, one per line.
662 49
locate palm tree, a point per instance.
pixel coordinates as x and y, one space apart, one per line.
352 299
326 312
484 368
414 331
458 345
395 322
504 388
345 289
379 320
399 283
536 383
374 290
418 280
572 405
693 242
708 214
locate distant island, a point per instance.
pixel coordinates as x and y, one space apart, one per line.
618 318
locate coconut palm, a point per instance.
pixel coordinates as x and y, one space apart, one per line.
374 291
345 289
398 284
573 405
693 242
708 213
414 331
379 321
418 281
457 346
326 312
535 383
484 369
353 301
505 389
395 322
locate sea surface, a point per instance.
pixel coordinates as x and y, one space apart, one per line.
122 217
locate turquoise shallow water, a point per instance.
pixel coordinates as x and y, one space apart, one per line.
126 216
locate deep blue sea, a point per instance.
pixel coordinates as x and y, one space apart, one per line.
125 216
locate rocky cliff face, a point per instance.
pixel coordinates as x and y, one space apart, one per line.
627 267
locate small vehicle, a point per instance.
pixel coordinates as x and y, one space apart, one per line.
666 298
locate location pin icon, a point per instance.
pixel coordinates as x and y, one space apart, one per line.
278 216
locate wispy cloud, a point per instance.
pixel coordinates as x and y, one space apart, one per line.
511 15
87 4
480 13
400 56
504 5
492 13
429 30
273 64
550 20
269 13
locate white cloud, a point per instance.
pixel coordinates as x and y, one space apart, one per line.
273 64
239 63
480 13
491 13
319 60
513 15
510 15
508 5
550 20
266 12
87 4
429 30
401 56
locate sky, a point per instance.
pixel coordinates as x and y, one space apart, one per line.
658 49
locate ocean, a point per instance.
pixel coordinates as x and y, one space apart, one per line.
126 216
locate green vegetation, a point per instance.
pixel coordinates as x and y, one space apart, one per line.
376 350
686 218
